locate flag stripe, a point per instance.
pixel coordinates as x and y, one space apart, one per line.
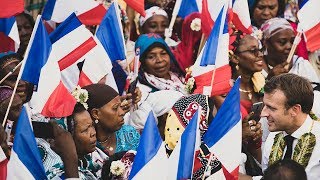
84 80
93 16
10 8
48 9
217 129
70 24
25 147
145 151
77 53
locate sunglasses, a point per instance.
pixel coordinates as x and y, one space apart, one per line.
253 51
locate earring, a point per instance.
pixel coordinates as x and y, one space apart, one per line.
237 67
96 121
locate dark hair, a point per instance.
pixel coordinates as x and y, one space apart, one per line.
286 169
28 17
297 90
281 8
71 123
105 174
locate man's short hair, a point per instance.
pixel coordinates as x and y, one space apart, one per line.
286 169
298 90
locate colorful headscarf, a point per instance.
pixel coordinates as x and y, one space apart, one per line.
6 54
155 10
273 26
146 42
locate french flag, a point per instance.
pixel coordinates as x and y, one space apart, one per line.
301 3
11 8
309 24
151 159
182 158
25 161
9 35
89 12
137 5
213 61
223 136
50 95
241 16
209 13
110 34
185 7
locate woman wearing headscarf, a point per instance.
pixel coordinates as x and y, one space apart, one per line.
105 108
278 37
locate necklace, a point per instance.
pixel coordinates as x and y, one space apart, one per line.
245 91
110 148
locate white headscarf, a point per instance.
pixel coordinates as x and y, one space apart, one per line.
155 10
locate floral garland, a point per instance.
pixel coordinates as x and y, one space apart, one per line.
117 168
302 151
81 96
190 85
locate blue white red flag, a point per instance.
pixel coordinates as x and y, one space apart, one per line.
214 57
223 136
9 35
241 16
25 161
151 158
182 158
89 12
309 24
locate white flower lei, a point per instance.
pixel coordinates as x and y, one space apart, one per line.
81 96
117 168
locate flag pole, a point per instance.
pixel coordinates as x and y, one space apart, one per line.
23 62
11 72
293 48
202 43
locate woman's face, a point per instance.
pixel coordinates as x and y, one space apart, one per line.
155 24
84 133
23 89
279 45
25 30
111 115
157 63
249 55
15 108
265 10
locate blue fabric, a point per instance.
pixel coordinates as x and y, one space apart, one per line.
48 9
187 7
227 117
120 76
68 25
188 141
127 139
26 148
6 24
38 55
302 2
6 54
110 35
149 145
210 51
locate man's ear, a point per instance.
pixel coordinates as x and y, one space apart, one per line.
95 113
295 110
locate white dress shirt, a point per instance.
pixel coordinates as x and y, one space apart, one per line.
313 167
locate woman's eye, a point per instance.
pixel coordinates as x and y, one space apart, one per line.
150 57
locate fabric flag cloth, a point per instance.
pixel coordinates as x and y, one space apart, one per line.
301 3
209 13
89 12
9 35
50 95
214 57
181 160
11 8
3 165
137 5
309 24
110 35
151 159
241 16
223 136
186 7
25 161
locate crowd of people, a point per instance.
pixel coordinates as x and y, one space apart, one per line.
105 126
